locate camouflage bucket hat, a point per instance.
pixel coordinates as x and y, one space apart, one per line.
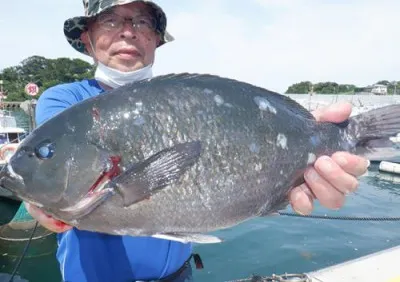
74 27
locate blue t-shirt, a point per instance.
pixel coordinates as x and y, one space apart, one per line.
94 257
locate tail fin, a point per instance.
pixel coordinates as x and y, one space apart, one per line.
371 130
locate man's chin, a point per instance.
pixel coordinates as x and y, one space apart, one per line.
127 66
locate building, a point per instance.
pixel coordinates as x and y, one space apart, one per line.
376 89
379 89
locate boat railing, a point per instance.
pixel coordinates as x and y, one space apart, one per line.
8 121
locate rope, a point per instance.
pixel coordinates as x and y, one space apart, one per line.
354 218
23 254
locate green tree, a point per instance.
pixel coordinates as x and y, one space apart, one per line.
44 72
321 88
326 88
303 87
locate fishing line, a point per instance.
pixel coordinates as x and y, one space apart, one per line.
354 218
23 253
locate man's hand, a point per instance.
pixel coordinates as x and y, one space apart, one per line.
331 177
45 220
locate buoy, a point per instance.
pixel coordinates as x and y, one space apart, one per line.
7 151
395 139
389 167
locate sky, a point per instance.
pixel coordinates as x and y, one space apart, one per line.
269 43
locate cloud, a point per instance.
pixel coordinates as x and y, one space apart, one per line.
37 30
271 43
286 41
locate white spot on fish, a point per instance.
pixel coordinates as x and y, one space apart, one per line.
208 91
258 167
126 115
139 106
254 148
71 127
264 105
139 121
281 172
311 158
121 232
281 141
219 100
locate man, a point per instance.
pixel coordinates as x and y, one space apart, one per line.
121 37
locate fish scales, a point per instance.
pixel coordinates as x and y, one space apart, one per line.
227 164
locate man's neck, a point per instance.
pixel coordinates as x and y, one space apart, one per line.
104 86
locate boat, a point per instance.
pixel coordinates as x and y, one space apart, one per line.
379 266
10 138
10 135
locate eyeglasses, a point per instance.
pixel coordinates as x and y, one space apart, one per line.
112 21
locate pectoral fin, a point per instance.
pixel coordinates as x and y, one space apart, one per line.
142 180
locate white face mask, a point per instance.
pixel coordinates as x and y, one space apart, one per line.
115 78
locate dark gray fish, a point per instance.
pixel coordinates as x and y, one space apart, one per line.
179 156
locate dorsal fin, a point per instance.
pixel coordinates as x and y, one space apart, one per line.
210 79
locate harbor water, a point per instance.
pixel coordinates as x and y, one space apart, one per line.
261 246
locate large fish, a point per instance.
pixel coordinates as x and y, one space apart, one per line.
179 156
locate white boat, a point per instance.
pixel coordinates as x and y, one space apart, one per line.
380 266
10 135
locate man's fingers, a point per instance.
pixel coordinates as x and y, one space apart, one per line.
337 112
301 199
333 174
351 164
327 194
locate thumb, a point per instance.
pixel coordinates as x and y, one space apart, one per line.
337 112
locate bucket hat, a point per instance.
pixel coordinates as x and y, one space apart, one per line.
74 27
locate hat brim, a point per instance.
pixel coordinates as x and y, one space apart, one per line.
74 27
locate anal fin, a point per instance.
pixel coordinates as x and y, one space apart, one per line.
189 237
144 179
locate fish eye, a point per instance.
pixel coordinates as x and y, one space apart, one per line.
45 150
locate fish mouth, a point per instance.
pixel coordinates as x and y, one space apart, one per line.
8 172
13 182
10 180
88 203
98 192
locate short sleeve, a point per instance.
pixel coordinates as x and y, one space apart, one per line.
54 100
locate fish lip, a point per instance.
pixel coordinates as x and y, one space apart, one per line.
7 172
8 177
86 199
95 192
3 172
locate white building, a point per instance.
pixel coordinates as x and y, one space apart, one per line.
379 89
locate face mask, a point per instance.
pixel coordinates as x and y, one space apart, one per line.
115 78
